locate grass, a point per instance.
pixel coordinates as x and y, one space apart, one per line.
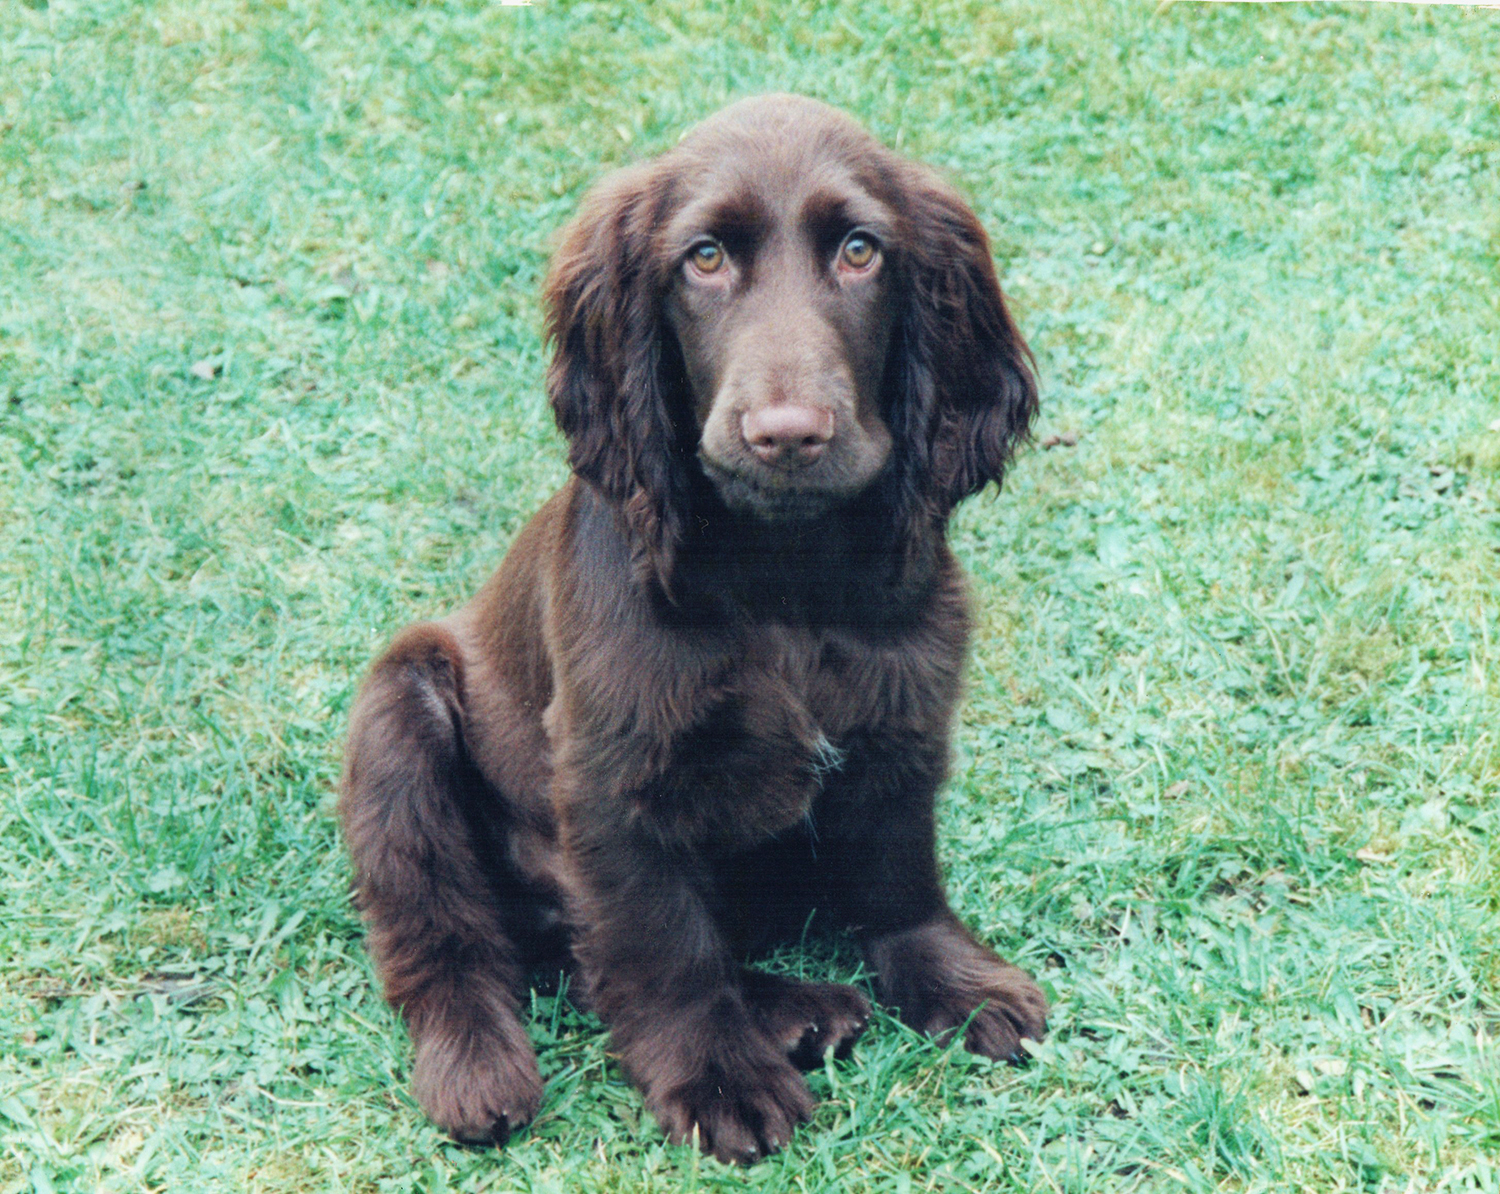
270 388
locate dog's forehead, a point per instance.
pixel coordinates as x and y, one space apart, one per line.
777 125
780 155
787 185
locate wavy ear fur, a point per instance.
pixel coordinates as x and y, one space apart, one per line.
609 377
968 392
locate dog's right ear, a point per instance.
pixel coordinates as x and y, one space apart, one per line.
607 380
969 389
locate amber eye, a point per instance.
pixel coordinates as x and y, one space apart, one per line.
707 257
858 251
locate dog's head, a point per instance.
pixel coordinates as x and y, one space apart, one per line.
785 307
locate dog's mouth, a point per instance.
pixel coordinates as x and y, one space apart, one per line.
780 495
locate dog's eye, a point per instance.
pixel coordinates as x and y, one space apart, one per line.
707 257
858 252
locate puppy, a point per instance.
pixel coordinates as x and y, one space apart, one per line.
710 689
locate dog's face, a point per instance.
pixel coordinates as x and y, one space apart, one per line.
786 305
781 300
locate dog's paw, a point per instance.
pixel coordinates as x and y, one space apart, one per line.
940 979
712 1076
478 1084
998 1011
806 1019
738 1112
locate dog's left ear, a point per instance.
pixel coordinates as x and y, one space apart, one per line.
611 369
970 389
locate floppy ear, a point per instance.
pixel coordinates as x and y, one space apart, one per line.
969 392
608 380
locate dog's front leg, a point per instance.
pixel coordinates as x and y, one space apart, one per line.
880 847
660 974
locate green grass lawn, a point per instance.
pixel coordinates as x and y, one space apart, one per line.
270 388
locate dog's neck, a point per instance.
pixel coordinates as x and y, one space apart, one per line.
853 566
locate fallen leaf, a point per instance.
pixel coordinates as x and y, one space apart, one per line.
181 990
1064 439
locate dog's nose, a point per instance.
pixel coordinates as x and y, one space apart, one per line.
787 433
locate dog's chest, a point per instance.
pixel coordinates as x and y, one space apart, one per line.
848 686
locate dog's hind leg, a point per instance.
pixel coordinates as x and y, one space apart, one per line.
424 831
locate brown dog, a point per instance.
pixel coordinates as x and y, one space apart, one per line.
711 687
